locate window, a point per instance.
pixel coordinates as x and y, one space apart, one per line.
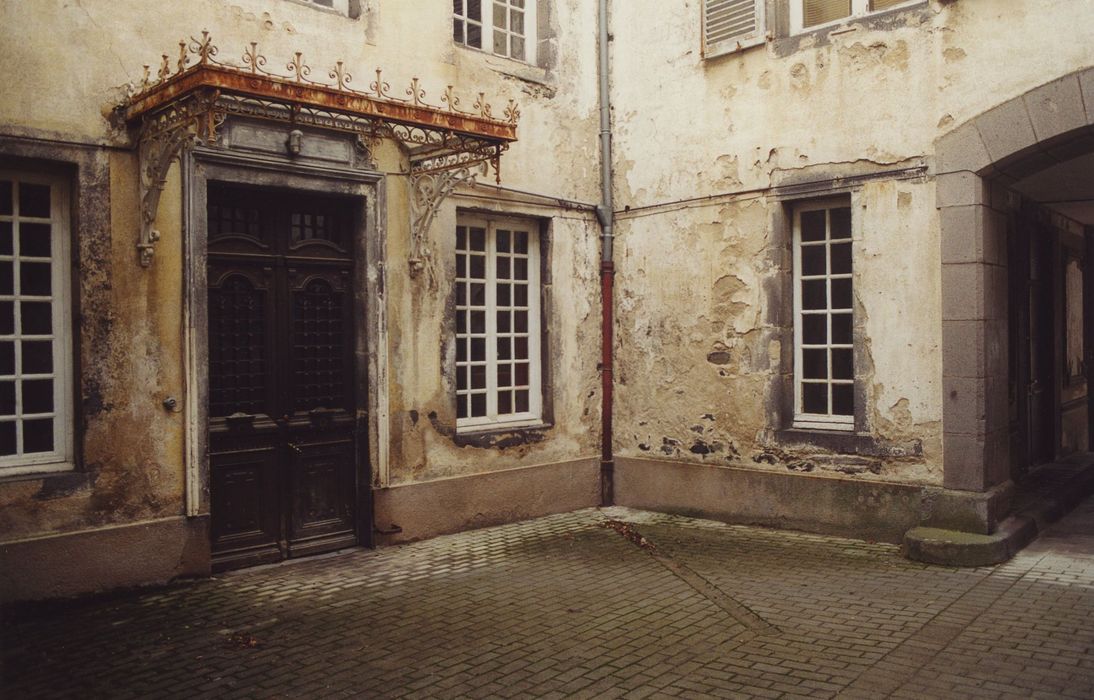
824 366
35 345
342 6
505 27
810 14
497 324
731 25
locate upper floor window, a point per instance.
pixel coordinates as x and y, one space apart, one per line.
504 27
824 365
35 337
812 14
731 25
498 372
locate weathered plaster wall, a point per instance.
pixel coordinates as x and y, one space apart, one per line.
709 154
70 61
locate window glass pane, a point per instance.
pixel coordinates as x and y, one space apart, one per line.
461 322
461 295
821 11
478 294
461 350
499 43
516 18
815 364
478 321
5 198
520 348
7 277
500 16
7 398
504 321
7 317
813 260
504 295
7 438
34 278
34 240
7 357
505 402
478 239
841 258
522 401
478 349
461 265
478 405
520 242
841 223
33 200
520 321
522 373
841 294
503 267
38 396
461 379
37 317
841 329
478 376
814 329
517 50
815 398
477 267
505 375
843 399
474 10
843 364
812 225
5 238
474 35
38 435
813 294
457 31
520 295
503 241
461 407
520 269
505 348
461 237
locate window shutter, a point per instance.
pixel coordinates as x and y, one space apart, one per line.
884 4
730 25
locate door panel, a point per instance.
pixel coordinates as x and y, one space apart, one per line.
281 374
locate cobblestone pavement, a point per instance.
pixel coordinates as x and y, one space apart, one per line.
611 603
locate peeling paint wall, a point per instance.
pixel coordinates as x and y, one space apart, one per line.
711 154
69 62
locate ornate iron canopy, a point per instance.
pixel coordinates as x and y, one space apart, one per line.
190 96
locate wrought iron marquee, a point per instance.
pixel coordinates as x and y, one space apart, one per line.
191 96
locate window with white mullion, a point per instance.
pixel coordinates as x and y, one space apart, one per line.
510 327
823 329
35 374
509 28
467 22
807 15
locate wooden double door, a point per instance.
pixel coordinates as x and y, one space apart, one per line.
285 439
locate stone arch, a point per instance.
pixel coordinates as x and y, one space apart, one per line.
1046 125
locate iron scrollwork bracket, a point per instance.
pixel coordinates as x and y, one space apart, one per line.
163 137
428 190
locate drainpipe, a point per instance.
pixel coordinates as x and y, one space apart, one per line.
607 269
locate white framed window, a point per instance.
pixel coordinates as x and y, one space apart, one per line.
498 372
732 25
341 6
806 15
503 27
824 365
35 317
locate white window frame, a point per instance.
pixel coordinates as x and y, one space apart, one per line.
816 421
757 36
488 28
859 9
534 414
62 457
339 6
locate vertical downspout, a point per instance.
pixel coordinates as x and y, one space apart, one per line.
604 213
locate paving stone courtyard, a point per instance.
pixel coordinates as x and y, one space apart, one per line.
599 603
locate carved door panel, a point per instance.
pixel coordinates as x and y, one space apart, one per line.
282 412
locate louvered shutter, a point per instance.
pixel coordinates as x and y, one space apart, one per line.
730 25
884 4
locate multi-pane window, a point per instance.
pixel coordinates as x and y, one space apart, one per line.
498 379
824 367
505 27
35 347
808 14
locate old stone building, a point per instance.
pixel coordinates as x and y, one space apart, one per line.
286 276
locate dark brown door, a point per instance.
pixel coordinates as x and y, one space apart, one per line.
283 432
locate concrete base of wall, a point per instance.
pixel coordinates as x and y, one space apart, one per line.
430 508
875 510
90 561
